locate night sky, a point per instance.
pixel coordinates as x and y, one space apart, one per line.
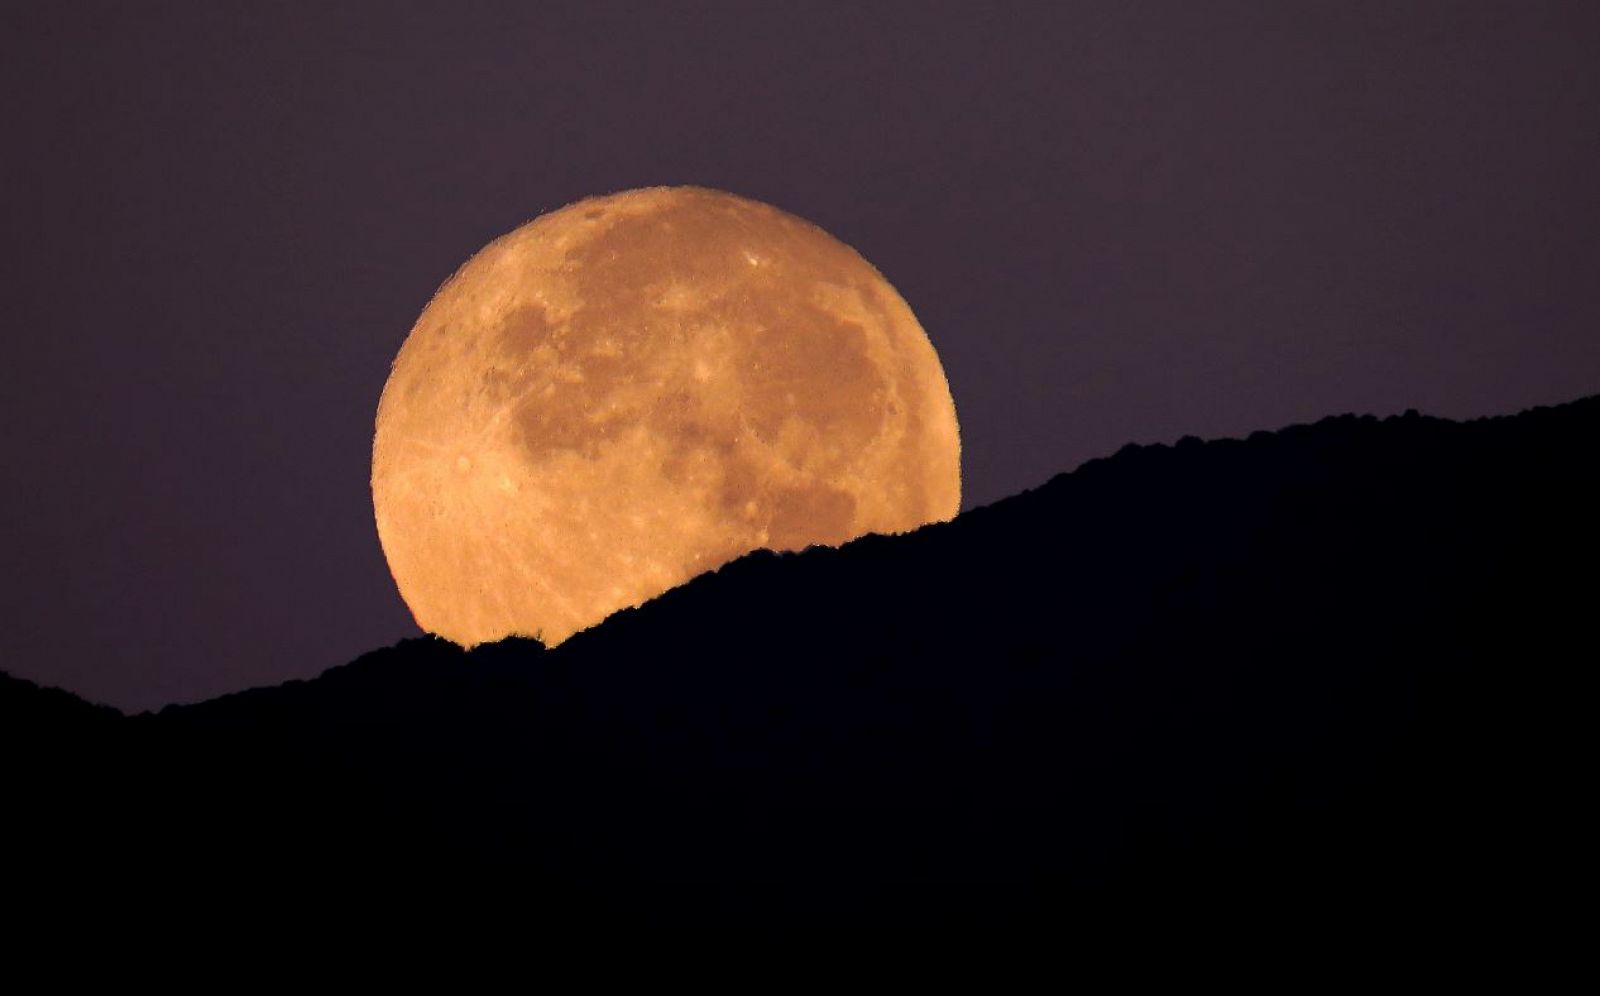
1118 222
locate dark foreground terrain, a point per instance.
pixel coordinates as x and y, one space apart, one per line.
1334 675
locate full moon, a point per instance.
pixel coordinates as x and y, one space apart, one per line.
635 389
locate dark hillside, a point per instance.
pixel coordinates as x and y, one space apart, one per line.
1337 671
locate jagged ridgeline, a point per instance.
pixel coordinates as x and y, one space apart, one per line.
1341 669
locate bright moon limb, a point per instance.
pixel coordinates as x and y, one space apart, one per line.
639 388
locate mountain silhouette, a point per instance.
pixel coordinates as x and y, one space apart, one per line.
1338 672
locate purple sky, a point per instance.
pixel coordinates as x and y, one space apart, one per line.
1118 221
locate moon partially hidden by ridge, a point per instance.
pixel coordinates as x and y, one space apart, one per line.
638 388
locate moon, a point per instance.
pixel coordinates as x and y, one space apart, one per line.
638 388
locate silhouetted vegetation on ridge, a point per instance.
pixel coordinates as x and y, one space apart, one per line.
1330 671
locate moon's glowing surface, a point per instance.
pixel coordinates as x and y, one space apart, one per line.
635 389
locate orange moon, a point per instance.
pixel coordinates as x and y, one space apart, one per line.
636 389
